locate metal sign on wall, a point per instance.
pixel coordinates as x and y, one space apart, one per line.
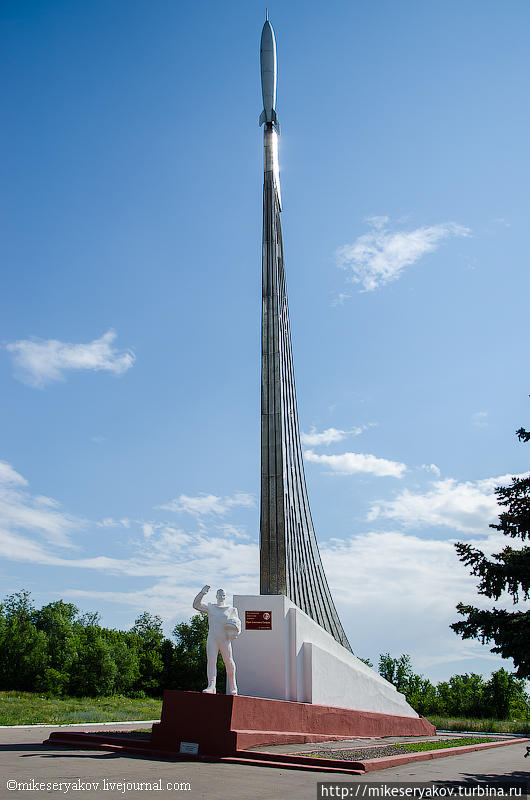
258 620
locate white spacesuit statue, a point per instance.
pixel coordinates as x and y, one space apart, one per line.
223 626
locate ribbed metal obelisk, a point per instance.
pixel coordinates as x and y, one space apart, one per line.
290 562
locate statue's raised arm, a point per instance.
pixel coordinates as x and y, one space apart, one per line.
198 605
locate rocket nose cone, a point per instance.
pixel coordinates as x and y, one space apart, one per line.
267 37
268 71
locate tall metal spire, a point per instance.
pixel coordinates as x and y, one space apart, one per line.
290 562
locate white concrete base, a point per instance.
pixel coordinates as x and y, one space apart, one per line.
300 661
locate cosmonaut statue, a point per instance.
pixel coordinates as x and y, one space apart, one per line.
223 626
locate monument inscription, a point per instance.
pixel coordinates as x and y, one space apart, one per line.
258 620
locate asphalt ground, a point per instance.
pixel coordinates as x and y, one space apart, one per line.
25 760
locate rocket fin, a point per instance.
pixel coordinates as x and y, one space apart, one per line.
262 118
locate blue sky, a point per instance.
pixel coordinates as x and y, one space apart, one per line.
130 310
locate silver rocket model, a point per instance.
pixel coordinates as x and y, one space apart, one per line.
290 562
268 76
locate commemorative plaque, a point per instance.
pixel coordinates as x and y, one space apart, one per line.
258 620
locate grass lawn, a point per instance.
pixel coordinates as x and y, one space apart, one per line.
27 708
419 746
480 725
399 748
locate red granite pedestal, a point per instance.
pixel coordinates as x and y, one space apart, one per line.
224 724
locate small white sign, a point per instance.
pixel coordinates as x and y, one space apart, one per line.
189 747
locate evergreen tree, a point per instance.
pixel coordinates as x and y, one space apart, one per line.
507 571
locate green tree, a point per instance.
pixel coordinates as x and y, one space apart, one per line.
56 620
462 696
94 670
506 571
419 691
422 695
148 636
167 651
505 696
23 648
57 651
366 661
149 628
125 656
396 670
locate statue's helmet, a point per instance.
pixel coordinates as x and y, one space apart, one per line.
232 629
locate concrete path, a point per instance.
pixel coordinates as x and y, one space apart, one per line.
24 759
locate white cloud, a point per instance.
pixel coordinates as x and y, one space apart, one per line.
353 463
480 419
171 597
40 362
16 547
340 298
181 564
431 468
154 548
47 502
205 504
468 506
377 222
20 511
9 476
168 553
380 256
110 522
234 531
392 564
397 593
394 592
331 435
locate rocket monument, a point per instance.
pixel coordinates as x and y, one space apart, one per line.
290 562
292 645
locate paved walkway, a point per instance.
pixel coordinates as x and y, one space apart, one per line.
24 759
